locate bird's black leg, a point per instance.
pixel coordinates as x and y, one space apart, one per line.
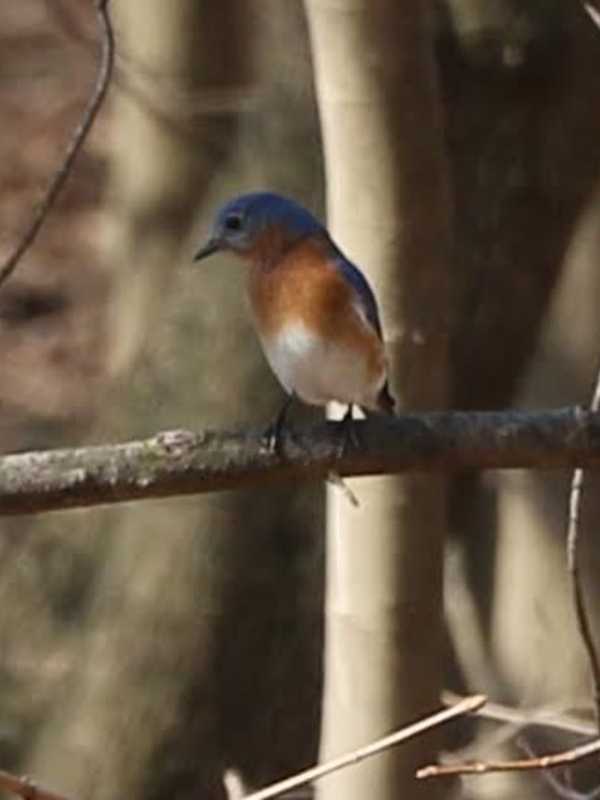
349 435
276 428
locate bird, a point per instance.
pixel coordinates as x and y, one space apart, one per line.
314 311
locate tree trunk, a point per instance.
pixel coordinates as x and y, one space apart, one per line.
388 208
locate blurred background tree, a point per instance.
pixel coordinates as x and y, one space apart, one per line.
147 649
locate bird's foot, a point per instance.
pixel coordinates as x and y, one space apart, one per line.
349 437
274 435
273 439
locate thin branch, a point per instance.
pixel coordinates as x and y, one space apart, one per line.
560 788
76 142
523 717
26 788
181 462
564 758
593 13
466 706
583 619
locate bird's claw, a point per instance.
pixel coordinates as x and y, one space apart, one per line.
349 439
274 435
272 440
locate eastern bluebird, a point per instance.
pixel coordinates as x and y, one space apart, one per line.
314 311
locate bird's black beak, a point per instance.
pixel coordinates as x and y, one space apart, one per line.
209 248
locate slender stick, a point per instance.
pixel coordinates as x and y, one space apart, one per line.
594 14
583 619
26 788
559 787
78 137
466 706
564 758
520 717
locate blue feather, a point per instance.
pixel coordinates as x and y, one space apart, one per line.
360 284
260 209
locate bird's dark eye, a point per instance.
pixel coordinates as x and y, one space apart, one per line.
233 222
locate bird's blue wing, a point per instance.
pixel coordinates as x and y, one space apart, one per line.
365 294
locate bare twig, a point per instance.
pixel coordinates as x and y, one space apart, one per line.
180 462
558 786
466 706
514 720
583 620
564 758
26 788
594 13
523 718
77 139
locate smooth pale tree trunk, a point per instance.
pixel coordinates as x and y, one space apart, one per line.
388 209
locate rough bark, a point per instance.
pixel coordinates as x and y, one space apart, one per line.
388 208
182 462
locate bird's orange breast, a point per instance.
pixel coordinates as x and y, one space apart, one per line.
304 287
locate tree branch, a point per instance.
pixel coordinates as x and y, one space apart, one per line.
26 788
465 706
77 139
581 612
523 717
594 13
181 462
564 758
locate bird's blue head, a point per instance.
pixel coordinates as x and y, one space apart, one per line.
243 222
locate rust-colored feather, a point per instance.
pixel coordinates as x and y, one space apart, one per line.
304 287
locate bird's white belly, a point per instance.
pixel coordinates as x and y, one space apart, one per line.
319 371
